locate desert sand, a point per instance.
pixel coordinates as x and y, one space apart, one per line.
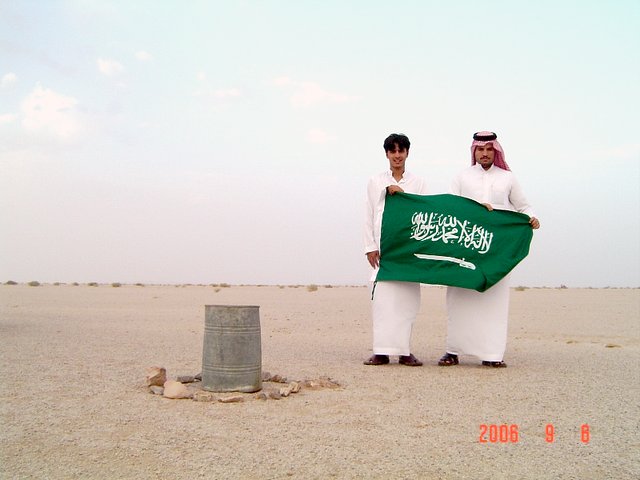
74 403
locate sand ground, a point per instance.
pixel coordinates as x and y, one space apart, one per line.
74 403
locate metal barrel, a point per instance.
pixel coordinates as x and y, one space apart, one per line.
232 351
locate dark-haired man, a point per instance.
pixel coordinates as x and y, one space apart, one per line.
395 305
477 322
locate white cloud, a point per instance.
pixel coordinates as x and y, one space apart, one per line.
316 135
45 111
7 118
143 56
109 67
8 80
307 94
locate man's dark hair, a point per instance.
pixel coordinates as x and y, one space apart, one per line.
396 139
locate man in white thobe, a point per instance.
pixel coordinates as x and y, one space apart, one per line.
395 305
477 321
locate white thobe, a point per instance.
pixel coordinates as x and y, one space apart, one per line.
395 305
477 321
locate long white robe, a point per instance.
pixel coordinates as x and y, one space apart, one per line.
477 321
394 309
395 305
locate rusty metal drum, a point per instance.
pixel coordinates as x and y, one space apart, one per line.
232 350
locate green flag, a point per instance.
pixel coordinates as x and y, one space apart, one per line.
450 240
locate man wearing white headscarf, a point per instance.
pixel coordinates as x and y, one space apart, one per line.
395 305
477 321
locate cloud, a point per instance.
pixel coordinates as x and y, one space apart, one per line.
143 56
8 80
7 118
109 67
45 111
318 136
308 94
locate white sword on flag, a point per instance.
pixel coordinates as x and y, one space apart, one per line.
461 262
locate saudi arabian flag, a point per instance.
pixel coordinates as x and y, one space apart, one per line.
450 240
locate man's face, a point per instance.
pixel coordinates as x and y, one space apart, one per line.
397 157
485 155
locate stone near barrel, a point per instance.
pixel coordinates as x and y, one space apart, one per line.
232 351
232 399
173 389
295 387
274 394
156 390
277 379
322 382
285 391
156 376
202 396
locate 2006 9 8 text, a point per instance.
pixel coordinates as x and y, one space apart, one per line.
509 433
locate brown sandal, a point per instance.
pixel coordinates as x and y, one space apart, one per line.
377 360
409 360
448 359
499 364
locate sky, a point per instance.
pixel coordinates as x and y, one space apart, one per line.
231 141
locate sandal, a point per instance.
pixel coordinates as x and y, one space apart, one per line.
409 360
448 359
499 364
377 360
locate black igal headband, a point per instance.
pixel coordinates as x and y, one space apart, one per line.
484 138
